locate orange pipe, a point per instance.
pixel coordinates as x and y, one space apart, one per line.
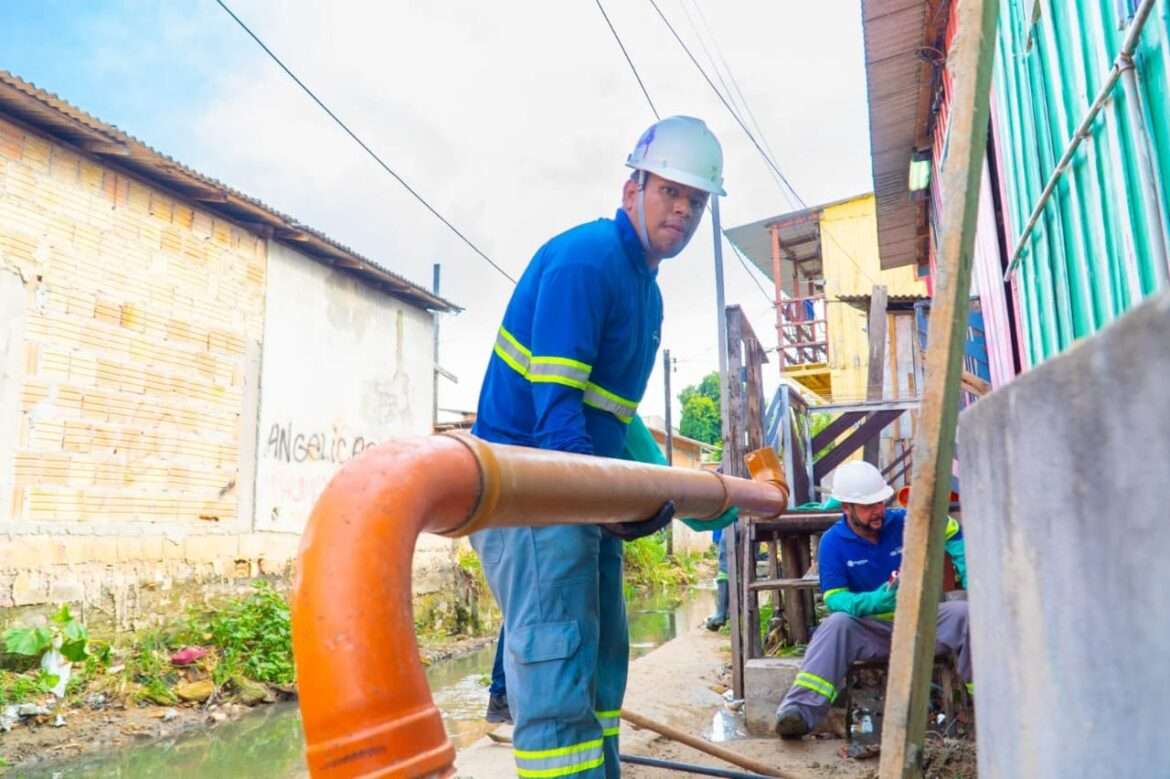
364 699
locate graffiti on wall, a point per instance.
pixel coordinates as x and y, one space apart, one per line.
298 460
288 444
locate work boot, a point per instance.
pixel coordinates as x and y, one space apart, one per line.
789 724
719 618
497 710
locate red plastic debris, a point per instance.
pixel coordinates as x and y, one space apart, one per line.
188 655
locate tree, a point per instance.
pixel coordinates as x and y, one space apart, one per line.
701 417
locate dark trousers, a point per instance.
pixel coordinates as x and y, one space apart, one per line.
499 686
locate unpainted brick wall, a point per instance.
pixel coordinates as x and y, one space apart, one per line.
138 310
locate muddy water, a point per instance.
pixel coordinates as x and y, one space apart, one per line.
268 743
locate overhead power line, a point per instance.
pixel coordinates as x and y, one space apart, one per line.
727 105
626 54
751 137
746 267
363 144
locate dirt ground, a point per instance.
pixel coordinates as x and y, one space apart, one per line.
680 683
91 729
96 725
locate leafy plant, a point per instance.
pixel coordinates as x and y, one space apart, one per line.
64 632
254 637
647 565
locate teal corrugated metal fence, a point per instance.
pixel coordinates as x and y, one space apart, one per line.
1089 257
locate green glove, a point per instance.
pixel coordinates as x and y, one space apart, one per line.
879 603
642 448
958 552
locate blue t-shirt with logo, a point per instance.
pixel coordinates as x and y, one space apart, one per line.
856 564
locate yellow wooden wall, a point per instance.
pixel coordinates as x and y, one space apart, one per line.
851 267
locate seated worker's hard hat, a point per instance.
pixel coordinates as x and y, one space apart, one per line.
681 149
860 482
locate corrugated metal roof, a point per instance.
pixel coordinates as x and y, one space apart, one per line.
893 302
899 35
49 114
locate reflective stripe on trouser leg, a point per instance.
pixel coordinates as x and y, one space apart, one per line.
613 654
546 580
837 642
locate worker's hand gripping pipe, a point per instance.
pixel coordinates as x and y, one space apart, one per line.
365 704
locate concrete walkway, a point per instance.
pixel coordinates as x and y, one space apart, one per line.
673 684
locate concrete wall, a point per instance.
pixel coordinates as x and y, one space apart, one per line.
1064 483
345 366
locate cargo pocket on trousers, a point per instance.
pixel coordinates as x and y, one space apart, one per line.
553 681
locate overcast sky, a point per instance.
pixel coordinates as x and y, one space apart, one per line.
513 118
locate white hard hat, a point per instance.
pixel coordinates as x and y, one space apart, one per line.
683 150
860 482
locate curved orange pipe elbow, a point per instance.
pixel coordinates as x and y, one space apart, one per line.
365 704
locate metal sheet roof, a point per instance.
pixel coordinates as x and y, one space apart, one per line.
45 112
900 82
893 302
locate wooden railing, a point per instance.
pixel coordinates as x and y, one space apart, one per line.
802 331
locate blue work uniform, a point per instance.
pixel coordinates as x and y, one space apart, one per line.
854 574
569 366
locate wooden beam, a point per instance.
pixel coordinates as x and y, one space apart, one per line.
262 229
778 284
835 429
292 234
870 428
969 62
975 385
877 362
106 148
210 196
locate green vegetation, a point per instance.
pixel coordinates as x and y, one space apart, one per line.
700 410
253 637
647 565
242 643
63 632
468 611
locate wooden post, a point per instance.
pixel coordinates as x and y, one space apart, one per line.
779 285
794 602
877 362
912 653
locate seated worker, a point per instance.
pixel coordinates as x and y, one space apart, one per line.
859 559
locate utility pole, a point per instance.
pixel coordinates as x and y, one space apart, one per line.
435 372
666 387
669 439
720 319
729 468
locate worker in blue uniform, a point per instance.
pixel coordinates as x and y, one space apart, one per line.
859 559
568 369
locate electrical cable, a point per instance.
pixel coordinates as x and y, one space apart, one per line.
751 137
626 54
363 144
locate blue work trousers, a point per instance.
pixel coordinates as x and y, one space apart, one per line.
567 645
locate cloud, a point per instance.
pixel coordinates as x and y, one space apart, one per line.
513 120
